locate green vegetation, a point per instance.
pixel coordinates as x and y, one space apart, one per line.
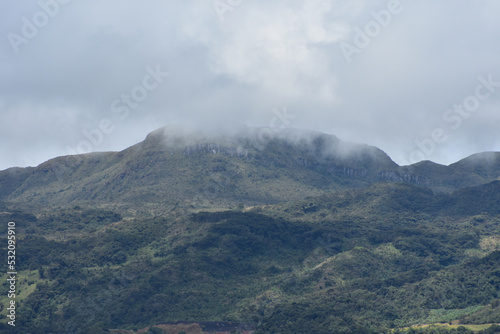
447 329
290 238
365 260
152 178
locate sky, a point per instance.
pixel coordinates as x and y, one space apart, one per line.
419 79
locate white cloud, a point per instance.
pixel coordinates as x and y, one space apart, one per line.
264 55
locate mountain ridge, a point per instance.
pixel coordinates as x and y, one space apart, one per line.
178 168
291 234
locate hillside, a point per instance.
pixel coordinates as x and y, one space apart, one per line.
381 257
476 169
170 170
301 233
175 170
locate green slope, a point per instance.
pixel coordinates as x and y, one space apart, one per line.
171 170
360 260
302 233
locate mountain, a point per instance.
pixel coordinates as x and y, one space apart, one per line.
298 232
175 168
169 166
474 170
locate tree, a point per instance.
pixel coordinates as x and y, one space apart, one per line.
155 330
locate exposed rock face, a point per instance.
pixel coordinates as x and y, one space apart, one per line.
353 172
395 176
172 166
216 149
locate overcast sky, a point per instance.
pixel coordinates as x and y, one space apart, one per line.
418 79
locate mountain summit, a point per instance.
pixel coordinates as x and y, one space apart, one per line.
178 167
289 232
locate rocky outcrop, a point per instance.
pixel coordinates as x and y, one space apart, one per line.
215 149
395 176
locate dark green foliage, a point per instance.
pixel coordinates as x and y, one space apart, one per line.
476 200
393 270
156 330
493 329
78 219
353 258
226 172
489 314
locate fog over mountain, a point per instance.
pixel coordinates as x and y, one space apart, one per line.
255 232
418 79
176 168
254 167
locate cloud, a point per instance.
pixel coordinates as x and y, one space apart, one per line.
261 56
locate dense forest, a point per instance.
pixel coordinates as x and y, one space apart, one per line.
292 238
359 261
